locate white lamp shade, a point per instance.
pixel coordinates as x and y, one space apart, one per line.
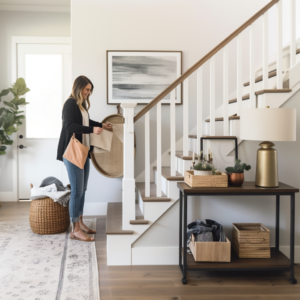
268 124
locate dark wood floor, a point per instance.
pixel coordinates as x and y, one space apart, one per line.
164 282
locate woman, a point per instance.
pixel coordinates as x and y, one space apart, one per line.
76 120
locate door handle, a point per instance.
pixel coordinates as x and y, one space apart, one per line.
20 136
21 147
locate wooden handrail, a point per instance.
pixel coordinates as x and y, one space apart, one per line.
203 60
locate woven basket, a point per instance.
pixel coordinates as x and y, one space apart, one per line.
48 217
205 180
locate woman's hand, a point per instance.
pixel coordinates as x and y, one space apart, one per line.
107 126
97 130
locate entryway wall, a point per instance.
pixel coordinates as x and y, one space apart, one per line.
20 23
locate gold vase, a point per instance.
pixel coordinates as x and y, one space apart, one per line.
266 166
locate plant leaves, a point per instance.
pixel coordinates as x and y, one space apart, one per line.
11 105
2 152
2 148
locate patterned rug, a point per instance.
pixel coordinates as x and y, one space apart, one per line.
39 267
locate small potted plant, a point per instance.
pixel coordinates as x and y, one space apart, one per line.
236 173
203 168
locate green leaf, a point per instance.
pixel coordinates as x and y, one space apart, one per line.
237 161
2 110
17 118
11 105
230 170
4 92
10 130
20 87
2 152
2 148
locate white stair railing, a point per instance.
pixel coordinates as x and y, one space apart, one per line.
252 95
128 183
292 33
186 117
212 98
265 51
279 45
225 91
158 133
239 73
147 154
199 107
173 132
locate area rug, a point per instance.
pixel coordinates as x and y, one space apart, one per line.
46 267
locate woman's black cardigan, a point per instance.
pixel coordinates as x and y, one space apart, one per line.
72 123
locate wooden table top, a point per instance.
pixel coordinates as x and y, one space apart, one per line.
246 188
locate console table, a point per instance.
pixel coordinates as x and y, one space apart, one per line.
278 260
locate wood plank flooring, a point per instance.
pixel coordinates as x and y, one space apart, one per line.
164 282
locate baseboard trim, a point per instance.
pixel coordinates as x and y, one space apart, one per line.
155 256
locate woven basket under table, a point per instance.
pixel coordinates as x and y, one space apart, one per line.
48 217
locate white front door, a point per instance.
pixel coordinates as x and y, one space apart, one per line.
46 69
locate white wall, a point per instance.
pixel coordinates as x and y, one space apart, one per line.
194 27
23 24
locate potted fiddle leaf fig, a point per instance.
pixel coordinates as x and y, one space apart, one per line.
203 168
236 173
10 115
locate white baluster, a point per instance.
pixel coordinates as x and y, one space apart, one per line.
252 68
265 51
147 154
199 107
186 117
173 132
128 182
225 91
212 95
293 33
279 45
158 173
239 74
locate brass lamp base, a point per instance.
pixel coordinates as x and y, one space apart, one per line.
266 166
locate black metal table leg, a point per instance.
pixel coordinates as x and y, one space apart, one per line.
277 221
180 229
184 280
292 239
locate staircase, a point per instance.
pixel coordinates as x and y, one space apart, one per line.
146 203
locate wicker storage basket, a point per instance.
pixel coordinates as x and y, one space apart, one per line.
205 180
48 217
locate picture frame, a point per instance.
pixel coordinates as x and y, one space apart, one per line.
140 76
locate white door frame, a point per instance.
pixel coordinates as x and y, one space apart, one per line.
15 40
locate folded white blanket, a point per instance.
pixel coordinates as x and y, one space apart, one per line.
48 191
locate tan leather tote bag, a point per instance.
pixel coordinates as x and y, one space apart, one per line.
76 153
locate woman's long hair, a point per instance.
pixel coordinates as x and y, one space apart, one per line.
79 84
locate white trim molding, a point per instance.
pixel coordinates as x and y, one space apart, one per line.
36 8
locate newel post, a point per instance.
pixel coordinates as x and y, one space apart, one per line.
128 184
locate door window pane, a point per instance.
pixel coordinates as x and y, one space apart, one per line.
43 73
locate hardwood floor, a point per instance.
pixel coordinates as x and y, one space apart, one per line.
164 282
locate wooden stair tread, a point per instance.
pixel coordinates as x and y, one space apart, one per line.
179 154
272 73
222 119
139 218
246 97
153 198
166 173
193 136
114 219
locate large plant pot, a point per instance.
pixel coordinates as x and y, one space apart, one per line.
236 179
200 172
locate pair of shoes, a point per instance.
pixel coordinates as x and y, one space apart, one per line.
73 237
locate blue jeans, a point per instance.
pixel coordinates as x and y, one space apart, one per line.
78 179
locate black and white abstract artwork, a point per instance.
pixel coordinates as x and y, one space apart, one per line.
141 76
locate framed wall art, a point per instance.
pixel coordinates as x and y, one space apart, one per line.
140 76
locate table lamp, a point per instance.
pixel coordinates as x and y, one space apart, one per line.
267 124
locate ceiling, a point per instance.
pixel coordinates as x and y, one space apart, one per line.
36 2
